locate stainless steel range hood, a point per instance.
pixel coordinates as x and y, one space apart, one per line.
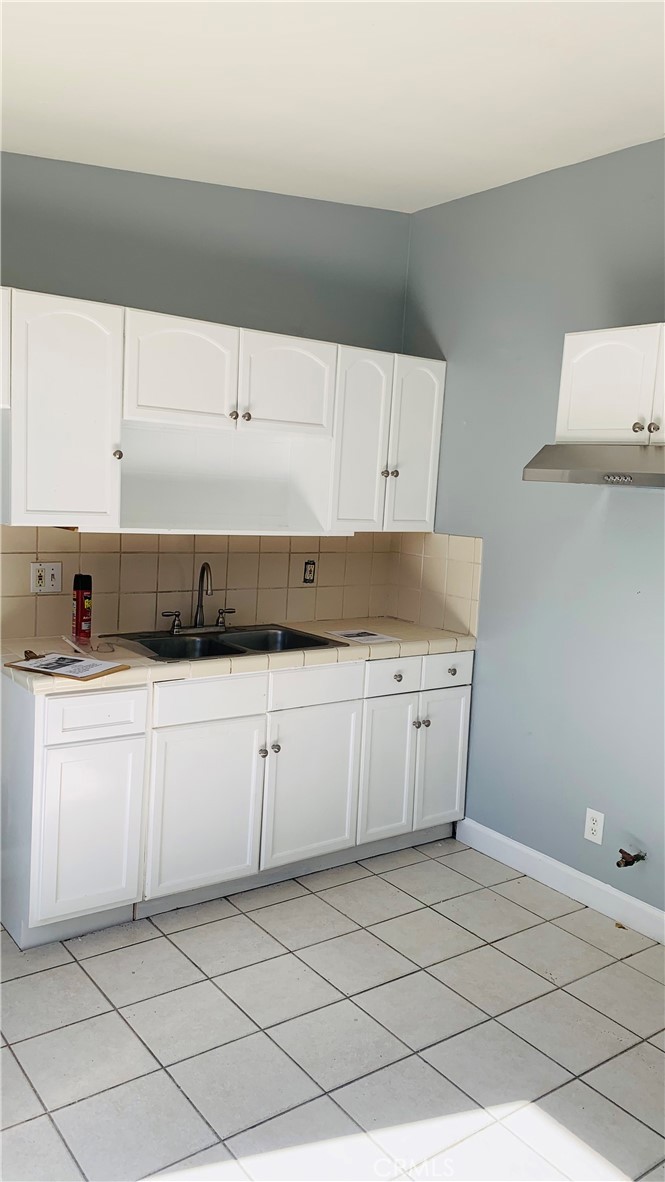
625 464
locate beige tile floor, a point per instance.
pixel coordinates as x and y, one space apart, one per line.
428 1014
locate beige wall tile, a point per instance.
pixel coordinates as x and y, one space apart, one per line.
377 600
273 570
473 619
410 570
270 606
412 543
301 604
218 566
333 545
244 543
211 543
275 545
104 613
183 602
475 588
381 543
360 543
57 539
243 570
355 601
98 543
431 609
18 615
395 543
18 539
105 571
244 600
139 543
176 572
435 546
54 615
137 612
478 550
381 568
176 543
328 603
408 604
138 572
459 578
331 569
309 546
456 614
15 574
391 600
461 549
358 571
434 575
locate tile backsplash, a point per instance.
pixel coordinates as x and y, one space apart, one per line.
433 579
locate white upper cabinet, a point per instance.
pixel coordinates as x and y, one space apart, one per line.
415 442
66 411
608 383
656 428
5 346
286 383
180 371
362 423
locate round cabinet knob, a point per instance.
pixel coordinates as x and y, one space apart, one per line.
247 416
233 414
453 672
653 427
417 724
276 748
637 427
263 752
117 455
427 722
385 472
398 677
395 472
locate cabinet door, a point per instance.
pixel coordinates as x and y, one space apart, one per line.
180 371
87 844
311 798
657 421
205 804
415 443
5 351
362 421
66 411
286 383
387 767
441 758
607 385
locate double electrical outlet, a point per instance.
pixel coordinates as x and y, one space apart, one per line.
593 828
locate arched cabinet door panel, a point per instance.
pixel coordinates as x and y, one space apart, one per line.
66 411
180 371
607 387
286 383
362 422
415 442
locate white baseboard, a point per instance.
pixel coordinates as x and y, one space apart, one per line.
642 917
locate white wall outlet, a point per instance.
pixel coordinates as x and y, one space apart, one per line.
593 828
46 578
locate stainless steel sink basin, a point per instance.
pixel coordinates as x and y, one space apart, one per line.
200 644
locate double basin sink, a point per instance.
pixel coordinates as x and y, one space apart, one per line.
197 644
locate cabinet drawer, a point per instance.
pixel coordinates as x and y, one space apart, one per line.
204 701
72 718
316 685
444 669
393 677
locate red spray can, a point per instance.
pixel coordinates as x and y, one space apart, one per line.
82 609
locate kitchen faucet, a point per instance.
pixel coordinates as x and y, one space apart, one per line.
205 579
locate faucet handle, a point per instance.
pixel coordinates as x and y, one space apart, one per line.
176 625
221 613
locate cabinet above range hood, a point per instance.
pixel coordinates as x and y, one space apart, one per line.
610 426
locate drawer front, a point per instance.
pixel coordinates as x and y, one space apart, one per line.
393 677
316 685
72 718
444 669
178 702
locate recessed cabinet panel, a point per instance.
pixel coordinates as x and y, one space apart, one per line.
607 385
180 371
441 757
362 421
311 797
205 804
66 408
387 768
88 846
286 383
415 440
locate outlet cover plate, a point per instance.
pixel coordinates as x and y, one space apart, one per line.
593 827
46 578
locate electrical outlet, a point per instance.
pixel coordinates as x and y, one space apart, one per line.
309 571
46 578
593 828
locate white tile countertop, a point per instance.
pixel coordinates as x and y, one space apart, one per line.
411 640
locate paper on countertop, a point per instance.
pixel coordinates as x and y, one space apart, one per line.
363 636
59 665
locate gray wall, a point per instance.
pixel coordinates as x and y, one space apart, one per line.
283 264
568 689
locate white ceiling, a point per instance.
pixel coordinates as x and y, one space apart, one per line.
399 105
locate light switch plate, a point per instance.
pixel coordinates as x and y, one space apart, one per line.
46 578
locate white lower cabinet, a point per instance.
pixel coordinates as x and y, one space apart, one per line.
206 787
441 757
88 846
311 795
388 767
